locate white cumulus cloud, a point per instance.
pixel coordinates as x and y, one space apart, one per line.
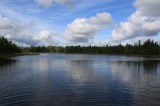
144 22
43 35
46 37
24 35
148 7
14 31
84 29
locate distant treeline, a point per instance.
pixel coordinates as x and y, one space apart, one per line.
7 46
149 47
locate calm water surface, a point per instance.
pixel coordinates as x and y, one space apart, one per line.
79 80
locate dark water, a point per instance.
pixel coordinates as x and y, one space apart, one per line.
79 80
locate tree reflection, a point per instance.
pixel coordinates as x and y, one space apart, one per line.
142 77
7 62
151 66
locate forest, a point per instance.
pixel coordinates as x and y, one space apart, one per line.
7 46
149 47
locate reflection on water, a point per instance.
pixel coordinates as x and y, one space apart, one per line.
144 79
78 80
6 62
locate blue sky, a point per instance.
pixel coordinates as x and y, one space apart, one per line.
69 22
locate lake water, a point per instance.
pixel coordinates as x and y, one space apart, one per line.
79 80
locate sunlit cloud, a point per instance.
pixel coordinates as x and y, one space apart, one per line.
144 22
83 29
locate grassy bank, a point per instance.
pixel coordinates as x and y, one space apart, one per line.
26 53
8 55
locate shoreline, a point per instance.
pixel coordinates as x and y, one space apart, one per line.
129 55
8 55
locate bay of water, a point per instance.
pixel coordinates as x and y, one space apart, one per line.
79 80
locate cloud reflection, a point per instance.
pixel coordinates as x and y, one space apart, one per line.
142 77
